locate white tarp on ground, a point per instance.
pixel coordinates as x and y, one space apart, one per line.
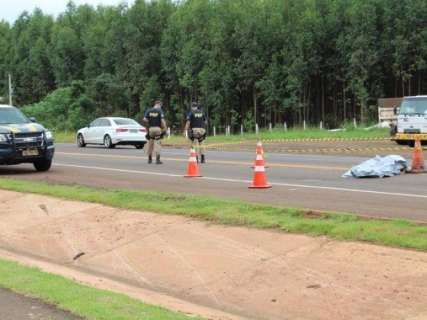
380 167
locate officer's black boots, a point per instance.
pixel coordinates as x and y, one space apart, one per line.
203 160
158 160
150 159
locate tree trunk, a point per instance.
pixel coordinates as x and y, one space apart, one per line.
403 87
344 103
255 104
323 99
395 86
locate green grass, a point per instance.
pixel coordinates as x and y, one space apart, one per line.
80 300
292 134
276 134
64 136
396 233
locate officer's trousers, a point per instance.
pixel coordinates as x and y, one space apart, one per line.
154 143
197 142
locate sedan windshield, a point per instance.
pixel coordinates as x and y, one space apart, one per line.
416 106
12 116
125 122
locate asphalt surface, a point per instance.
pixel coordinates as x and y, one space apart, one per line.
305 181
16 307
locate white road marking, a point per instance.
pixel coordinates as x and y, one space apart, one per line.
391 194
118 170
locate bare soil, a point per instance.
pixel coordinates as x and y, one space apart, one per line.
215 271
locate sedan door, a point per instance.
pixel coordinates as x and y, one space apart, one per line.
90 134
102 129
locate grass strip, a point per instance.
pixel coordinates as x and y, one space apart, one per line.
80 300
396 233
276 134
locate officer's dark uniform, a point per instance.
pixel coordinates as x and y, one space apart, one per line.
196 122
154 117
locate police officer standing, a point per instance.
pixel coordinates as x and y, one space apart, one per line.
195 129
154 120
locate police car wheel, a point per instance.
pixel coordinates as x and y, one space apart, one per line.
43 165
81 141
139 146
108 143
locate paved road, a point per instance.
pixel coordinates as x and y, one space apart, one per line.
16 307
308 181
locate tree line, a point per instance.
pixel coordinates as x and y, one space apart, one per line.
245 61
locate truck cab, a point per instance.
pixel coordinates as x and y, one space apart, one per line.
411 120
22 140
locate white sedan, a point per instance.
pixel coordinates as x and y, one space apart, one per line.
111 132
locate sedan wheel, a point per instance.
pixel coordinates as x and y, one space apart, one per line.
81 141
108 143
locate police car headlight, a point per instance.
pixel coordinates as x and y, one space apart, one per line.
48 135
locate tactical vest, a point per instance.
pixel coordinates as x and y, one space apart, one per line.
154 117
197 119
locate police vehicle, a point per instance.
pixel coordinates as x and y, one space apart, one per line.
22 140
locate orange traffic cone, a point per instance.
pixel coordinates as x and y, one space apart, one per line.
417 158
260 178
259 156
193 167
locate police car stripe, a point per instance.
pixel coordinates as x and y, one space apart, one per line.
14 129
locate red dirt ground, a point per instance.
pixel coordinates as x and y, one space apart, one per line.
215 271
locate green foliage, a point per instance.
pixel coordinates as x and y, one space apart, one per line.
64 109
246 61
52 111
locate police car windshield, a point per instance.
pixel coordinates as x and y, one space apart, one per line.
416 106
12 116
125 122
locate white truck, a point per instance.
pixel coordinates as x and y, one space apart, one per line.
411 120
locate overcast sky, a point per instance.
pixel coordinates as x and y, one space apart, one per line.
11 9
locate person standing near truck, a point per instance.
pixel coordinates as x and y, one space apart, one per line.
195 130
154 120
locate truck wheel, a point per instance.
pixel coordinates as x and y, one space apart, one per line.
43 165
402 142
